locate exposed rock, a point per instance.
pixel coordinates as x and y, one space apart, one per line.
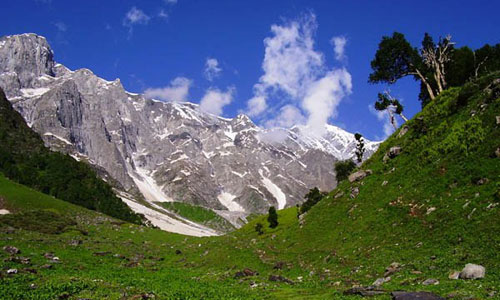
498 120
385 182
359 175
11 250
381 281
497 152
49 255
482 181
392 268
354 192
11 271
365 291
245 273
279 278
339 194
403 130
454 275
101 253
472 271
46 266
415 296
430 281
394 151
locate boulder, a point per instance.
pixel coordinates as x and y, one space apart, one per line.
11 271
415 296
394 151
359 175
11 250
472 271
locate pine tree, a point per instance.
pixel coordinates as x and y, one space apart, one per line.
360 147
272 218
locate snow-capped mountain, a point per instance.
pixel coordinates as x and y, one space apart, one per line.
162 151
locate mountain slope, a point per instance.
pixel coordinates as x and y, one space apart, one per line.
24 158
166 151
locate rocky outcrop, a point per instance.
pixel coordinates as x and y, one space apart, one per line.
166 151
472 271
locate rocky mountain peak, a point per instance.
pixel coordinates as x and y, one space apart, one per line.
27 55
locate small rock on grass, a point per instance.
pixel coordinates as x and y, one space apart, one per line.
11 250
415 296
430 281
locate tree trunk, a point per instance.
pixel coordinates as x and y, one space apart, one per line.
427 85
403 117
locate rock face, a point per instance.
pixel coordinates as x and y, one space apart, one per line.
472 271
166 151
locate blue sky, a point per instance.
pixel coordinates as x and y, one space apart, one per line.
215 51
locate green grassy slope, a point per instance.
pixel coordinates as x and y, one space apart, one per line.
433 208
199 215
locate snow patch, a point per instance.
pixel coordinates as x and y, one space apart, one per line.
34 92
226 199
274 190
148 187
58 137
168 223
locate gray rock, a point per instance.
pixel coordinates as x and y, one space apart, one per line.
11 271
454 275
403 131
430 281
159 151
472 271
354 192
394 151
415 296
279 278
11 250
365 291
498 120
381 281
359 175
392 268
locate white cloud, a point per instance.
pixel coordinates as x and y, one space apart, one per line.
323 97
256 106
135 16
172 2
212 69
339 43
214 100
296 77
61 26
163 14
383 116
176 91
288 116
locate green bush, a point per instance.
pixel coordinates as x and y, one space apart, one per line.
343 168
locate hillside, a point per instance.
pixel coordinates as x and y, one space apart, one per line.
24 158
431 207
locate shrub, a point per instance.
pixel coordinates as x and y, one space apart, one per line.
343 168
259 228
272 218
